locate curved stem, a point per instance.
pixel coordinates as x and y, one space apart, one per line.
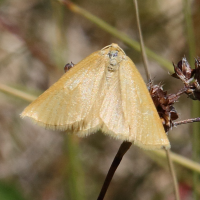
122 150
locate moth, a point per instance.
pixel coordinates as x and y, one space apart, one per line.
103 92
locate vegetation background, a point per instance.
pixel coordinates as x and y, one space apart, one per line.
37 39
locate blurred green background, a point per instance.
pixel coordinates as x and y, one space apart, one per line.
37 39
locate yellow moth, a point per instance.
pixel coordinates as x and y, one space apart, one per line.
102 92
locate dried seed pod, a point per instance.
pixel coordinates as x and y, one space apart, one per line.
194 91
184 66
164 105
183 71
197 70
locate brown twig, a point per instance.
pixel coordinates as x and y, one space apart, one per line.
186 121
122 150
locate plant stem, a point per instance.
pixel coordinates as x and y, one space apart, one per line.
186 162
74 176
187 121
172 170
144 55
122 150
17 93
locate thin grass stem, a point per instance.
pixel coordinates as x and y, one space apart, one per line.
144 55
173 173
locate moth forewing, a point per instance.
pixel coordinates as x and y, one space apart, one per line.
70 99
146 129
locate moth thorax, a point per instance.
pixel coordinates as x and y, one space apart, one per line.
113 68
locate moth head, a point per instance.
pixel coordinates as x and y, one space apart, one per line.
114 53
114 58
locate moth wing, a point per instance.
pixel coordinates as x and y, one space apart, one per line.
145 127
66 103
111 111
